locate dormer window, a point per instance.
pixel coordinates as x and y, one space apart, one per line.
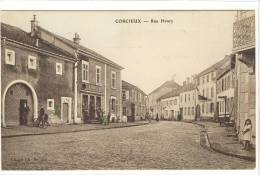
9 57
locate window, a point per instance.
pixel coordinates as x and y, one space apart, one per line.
50 104
124 111
185 98
9 57
113 79
32 62
212 92
188 110
59 68
203 80
208 78
85 71
189 97
123 95
98 75
113 104
203 108
192 111
127 95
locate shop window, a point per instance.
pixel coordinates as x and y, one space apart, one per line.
9 57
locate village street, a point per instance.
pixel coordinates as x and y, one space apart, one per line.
163 145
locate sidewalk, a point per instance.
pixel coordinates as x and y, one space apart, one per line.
62 128
221 140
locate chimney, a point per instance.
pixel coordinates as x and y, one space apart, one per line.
76 39
34 25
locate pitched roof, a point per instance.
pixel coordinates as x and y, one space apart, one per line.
129 85
83 48
170 94
19 35
171 84
214 66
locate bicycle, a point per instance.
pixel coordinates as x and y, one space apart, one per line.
41 122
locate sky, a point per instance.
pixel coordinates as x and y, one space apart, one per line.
151 53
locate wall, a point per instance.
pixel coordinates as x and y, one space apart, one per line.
190 103
44 79
206 113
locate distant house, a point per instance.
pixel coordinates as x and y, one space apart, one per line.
35 74
170 105
133 102
225 89
153 102
188 101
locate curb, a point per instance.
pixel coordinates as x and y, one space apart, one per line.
212 147
72 131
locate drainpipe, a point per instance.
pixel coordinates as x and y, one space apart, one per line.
75 87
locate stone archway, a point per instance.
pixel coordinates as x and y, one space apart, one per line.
34 96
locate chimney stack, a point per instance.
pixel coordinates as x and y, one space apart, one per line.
76 39
34 25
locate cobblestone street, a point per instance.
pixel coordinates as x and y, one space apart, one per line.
163 145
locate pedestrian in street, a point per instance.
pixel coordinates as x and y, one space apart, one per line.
108 117
247 133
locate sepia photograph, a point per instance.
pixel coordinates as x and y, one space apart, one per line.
129 90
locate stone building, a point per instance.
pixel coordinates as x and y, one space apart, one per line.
206 86
153 102
188 101
225 89
98 79
244 50
170 105
43 69
133 102
35 74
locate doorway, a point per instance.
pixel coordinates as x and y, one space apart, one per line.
24 112
92 107
66 112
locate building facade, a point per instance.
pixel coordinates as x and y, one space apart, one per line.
170 104
97 80
34 75
133 102
188 102
154 104
206 86
225 89
245 81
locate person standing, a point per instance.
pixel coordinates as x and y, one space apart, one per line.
247 134
108 117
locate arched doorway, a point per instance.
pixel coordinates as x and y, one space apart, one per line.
18 95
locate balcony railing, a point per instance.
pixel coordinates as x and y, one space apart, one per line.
244 34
